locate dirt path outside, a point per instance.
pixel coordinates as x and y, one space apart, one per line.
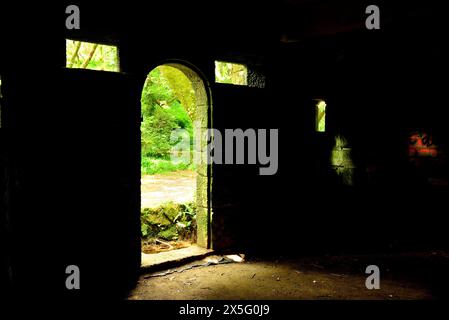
178 187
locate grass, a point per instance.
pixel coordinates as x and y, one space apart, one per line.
151 166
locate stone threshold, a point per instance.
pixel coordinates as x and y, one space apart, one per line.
173 258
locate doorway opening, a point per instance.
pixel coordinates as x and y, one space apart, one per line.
175 184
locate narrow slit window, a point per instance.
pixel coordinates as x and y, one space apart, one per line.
94 56
231 73
320 125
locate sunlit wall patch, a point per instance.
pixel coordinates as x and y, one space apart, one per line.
341 160
94 56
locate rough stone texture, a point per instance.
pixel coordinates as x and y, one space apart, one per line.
256 78
201 195
201 120
202 116
202 220
342 158
342 161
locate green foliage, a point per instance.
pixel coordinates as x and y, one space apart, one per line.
321 116
179 114
231 73
163 112
156 130
169 221
154 166
181 88
87 55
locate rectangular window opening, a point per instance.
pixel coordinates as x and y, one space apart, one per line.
93 56
231 73
320 122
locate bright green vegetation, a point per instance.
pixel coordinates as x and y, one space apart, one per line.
86 55
231 73
155 166
168 103
321 116
169 221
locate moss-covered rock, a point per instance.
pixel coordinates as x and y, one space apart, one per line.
171 233
169 221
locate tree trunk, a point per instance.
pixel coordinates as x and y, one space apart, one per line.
91 54
75 54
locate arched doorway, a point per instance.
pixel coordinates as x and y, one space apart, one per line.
175 206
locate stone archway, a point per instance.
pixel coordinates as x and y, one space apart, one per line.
201 120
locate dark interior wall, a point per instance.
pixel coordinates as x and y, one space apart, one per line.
12 49
4 218
56 124
60 157
66 208
380 87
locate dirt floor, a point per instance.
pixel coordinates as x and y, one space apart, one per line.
178 187
403 276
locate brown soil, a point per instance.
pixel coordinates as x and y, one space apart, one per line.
177 187
325 277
